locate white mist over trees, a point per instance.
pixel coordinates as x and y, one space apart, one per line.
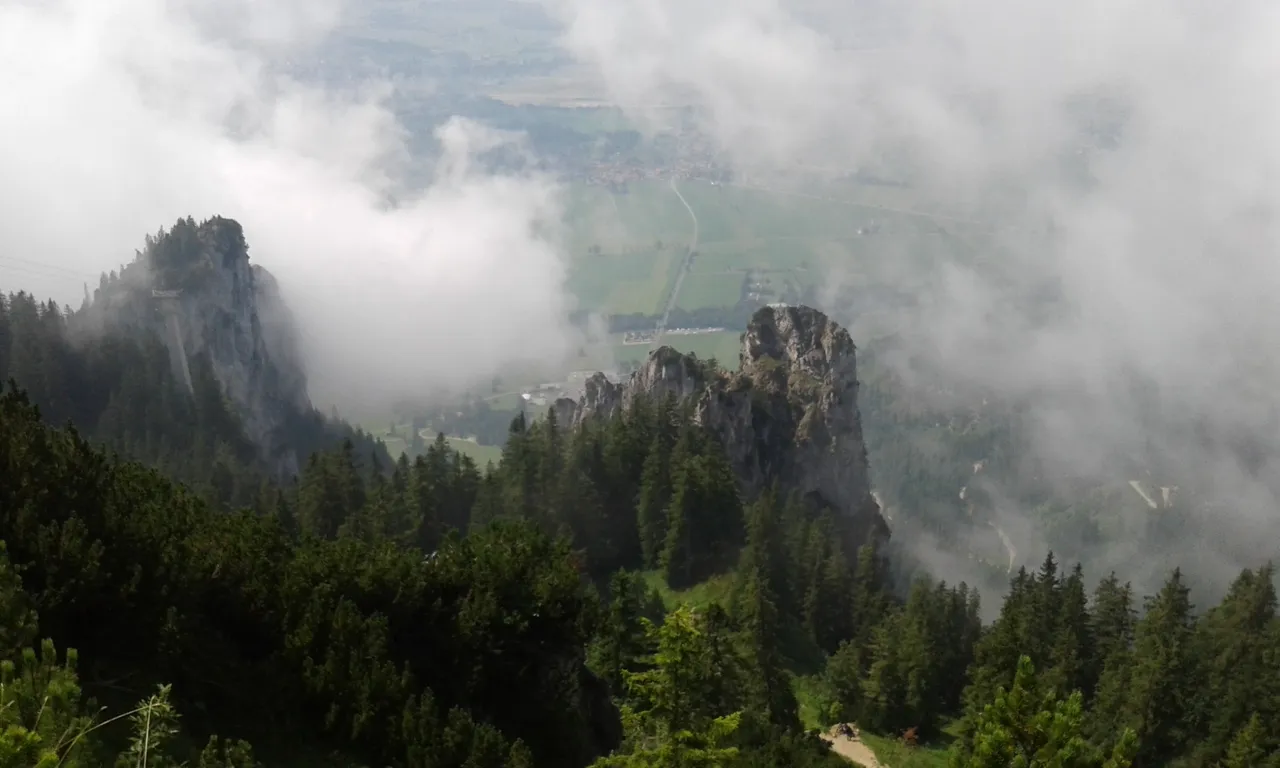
1117 160
123 116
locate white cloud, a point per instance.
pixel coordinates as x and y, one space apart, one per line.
120 116
1164 253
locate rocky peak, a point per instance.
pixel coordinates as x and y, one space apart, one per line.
194 288
789 415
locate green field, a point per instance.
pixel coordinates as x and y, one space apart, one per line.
626 246
480 454
713 590
710 289
723 346
622 284
626 222
891 751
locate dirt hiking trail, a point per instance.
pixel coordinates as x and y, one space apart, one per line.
851 749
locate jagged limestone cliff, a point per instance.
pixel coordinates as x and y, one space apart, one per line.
789 415
194 288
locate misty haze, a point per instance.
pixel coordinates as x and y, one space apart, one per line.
639 382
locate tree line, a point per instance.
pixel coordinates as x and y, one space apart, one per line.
120 389
543 610
384 612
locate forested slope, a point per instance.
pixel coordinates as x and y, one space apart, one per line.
110 368
302 639
433 613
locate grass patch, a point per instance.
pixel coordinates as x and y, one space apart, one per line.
395 445
713 590
740 257
710 290
622 284
812 696
734 213
724 346
636 219
505 401
480 454
789 239
651 211
593 217
891 752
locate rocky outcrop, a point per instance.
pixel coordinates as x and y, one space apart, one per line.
789 415
194 288
232 312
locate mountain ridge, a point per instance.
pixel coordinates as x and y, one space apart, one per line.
789 416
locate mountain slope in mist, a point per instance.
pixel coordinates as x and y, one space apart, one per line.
186 358
1120 200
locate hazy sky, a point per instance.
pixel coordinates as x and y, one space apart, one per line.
119 116
1161 249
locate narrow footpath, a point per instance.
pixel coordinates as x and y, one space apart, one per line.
853 750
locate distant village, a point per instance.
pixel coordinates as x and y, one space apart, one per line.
572 387
646 337
617 176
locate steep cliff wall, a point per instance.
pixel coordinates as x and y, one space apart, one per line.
194 288
789 415
231 312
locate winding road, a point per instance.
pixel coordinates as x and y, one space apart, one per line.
684 268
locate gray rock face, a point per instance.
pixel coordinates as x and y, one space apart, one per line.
232 312
789 415
195 289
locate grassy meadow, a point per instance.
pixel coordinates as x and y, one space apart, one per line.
625 247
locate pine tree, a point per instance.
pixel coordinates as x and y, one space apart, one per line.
1235 662
903 686
550 465
519 472
955 626
844 678
831 615
755 606
655 498
1112 621
6 339
1024 727
762 558
870 593
320 504
679 719
1156 695
17 615
623 641
997 653
1072 650
1040 626
41 718
1246 749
